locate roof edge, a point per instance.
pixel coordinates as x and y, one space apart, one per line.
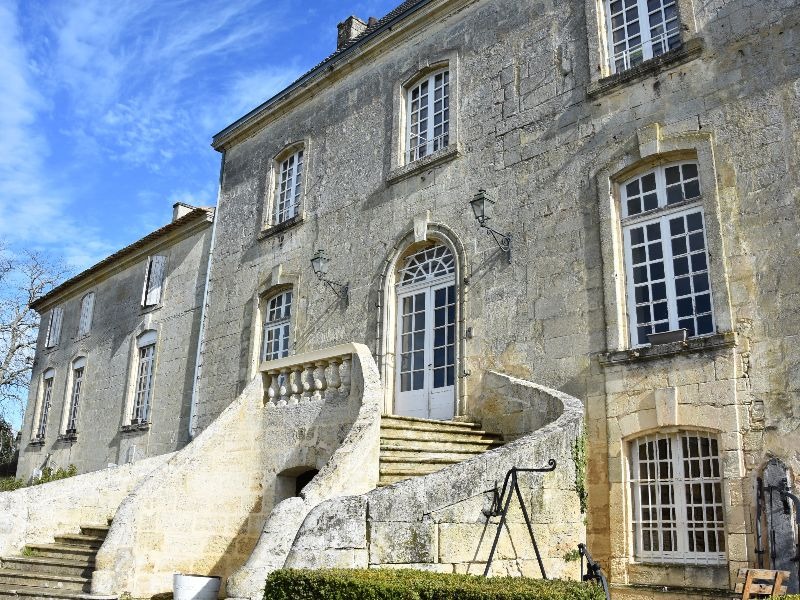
185 222
220 139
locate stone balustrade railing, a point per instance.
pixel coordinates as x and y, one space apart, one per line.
323 374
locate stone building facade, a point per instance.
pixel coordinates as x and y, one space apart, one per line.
114 369
642 258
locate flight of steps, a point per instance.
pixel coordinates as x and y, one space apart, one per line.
411 447
60 570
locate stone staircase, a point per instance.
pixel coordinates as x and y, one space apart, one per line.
411 447
60 570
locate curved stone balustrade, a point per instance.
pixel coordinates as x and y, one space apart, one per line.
321 375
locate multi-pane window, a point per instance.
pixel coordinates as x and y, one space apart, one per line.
277 325
154 280
143 391
676 488
288 188
54 327
75 395
428 116
46 401
666 254
639 30
87 309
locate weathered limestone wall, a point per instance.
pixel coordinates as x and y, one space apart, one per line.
526 129
437 522
205 510
118 318
33 515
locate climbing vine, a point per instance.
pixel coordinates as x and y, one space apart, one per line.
579 457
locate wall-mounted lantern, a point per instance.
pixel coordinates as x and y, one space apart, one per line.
319 262
481 205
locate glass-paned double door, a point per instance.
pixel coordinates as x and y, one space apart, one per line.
426 348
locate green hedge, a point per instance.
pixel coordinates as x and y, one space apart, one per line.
385 584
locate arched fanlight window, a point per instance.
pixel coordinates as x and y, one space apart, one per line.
427 264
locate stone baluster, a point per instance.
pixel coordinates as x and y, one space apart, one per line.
284 389
296 384
347 372
334 381
308 381
320 380
272 389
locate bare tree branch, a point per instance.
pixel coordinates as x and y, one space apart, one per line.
23 279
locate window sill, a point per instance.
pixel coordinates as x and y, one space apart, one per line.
689 50
134 427
68 437
273 230
37 441
423 164
149 309
691 345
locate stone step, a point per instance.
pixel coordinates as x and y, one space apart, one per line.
438 446
412 470
402 453
395 422
55 566
64 551
438 436
12 577
78 539
426 459
49 566
9 592
100 531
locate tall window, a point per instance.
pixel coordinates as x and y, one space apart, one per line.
78 367
288 188
87 310
153 280
428 116
46 400
277 325
676 486
143 385
639 30
666 258
54 327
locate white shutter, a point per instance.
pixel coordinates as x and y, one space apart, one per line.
87 308
54 331
154 279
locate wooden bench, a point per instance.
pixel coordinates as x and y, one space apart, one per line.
760 583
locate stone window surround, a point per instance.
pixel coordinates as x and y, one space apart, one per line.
399 170
146 328
387 307
600 68
289 147
47 373
78 360
656 147
277 280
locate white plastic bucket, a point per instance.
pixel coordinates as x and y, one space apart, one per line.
195 587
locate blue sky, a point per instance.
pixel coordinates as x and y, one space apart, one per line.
107 107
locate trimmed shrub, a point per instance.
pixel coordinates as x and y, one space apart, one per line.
385 584
8 484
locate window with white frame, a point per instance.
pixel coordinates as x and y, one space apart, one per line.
87 310
666 256
153 280
277 325
54 327
78 367
143 384
288 188
428 116
639 30
45 402
676 489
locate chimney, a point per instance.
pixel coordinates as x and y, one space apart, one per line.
179 209
349 29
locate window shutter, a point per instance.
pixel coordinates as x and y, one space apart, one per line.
54 331
154 280
87 309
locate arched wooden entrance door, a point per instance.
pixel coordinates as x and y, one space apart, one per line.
426 335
